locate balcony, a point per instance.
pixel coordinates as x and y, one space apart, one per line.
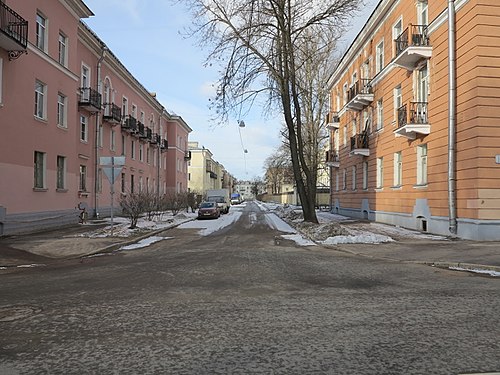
332 159
213 175
332 121
412 46
163 145
89 99
360 144
129 124
360 95
141 131
154 139
413 120
187 155
112 113
149 134
13 32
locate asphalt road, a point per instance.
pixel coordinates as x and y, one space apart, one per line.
239 302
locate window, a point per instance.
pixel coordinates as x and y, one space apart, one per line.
148 155
84 128
124 145
41 32
397 29
63 49
112 140
39 170
398 169
345 91
99 180
380 57
380 173
365 175
354 124
100 136
354 170
141 152
422 12
337 182
422 85
123 183
345 135
61 172
398 101
132 183
85 78
134 111
142 117
344 179
380 114
61 111
140 184
132 149
82 186
40 92
124 106
422 165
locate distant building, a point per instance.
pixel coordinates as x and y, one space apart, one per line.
205 172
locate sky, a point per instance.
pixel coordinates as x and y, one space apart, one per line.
148 38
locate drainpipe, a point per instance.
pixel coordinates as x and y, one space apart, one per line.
452 111
96 143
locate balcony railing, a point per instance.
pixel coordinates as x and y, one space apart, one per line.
360 94
112 113
412 45
141 130
13 31
155 139
213 175
360 144
332 120
90 99
129 124
332 159
149 134
187 155
163 145
413 120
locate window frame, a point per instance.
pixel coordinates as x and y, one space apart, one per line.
380 173
422 157
63 49
398 101
380 114
40 100
398 169
396 33
365 175
61 162
62 116
84 128
39 170
82 180
41 31
379 57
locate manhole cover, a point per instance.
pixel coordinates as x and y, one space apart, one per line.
11 313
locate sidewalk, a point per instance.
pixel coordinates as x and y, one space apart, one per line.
67 243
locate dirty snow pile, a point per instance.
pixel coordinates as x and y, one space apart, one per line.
336 229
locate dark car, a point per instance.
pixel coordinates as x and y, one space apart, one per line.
208 210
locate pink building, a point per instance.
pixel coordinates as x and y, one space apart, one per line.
66 101
178 153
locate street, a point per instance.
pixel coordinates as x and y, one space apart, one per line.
237 301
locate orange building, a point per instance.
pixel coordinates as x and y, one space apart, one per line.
415 136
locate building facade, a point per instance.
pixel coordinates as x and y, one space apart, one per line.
67 106
414 119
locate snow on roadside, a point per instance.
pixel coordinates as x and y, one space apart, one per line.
359 238
278 223
144 242
298 239
474 270
209 226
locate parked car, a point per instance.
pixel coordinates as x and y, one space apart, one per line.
208 210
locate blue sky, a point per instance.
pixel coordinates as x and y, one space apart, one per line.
146 36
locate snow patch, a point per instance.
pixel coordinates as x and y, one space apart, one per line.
476 270
144 242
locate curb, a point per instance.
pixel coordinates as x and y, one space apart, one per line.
465 266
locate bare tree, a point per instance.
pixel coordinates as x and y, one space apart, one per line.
277 48
133 205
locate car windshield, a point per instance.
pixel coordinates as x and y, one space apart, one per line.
207 205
